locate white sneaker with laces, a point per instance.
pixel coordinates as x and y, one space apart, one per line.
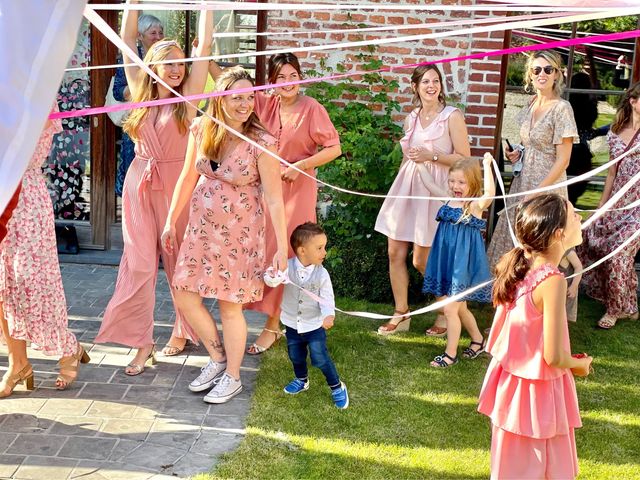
209 376
227 388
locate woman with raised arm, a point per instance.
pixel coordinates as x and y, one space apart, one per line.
226 180
306 138
161 135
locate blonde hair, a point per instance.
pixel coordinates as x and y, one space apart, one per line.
470 168
555 61
148 90
213 135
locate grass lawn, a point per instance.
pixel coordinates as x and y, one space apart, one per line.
408 420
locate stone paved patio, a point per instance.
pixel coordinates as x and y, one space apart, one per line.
109 426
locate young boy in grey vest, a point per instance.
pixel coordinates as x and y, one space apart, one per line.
307 320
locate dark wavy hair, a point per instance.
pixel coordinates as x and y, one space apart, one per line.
276 62
536 222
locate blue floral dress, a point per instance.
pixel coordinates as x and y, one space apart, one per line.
457 260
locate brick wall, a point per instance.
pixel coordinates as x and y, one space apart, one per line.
474 83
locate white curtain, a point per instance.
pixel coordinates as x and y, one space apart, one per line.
36 39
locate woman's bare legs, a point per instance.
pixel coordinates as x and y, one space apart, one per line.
191 306
17 351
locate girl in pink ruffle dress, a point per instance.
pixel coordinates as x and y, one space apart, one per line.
529 391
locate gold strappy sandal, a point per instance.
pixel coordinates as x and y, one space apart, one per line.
71 364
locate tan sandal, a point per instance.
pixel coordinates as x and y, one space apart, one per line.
24 376
70 365
134 369
391 328
255 349
436 331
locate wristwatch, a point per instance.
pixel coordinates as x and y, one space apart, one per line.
435 157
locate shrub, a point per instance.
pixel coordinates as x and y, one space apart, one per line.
371 156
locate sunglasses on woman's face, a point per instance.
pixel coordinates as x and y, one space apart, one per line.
548 69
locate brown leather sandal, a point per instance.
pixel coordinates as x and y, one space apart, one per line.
24 376
391 328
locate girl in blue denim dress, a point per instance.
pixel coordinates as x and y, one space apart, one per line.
457 261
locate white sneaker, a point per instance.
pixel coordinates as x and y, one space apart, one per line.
227 388
209 376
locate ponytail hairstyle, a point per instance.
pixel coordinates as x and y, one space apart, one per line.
624 113
536 222
470 168
148 90
214 135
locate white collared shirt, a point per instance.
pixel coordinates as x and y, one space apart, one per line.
299 310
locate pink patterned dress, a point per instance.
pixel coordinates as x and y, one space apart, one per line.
410 220
533 407
615 282
298 139
30 282
222 254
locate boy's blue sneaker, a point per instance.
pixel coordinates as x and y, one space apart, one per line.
340 396
296 386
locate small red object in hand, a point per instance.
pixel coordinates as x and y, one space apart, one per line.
579 355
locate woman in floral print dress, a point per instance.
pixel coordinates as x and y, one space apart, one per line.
222 254
32 302
615 282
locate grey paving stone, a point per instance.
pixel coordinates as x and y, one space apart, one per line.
88 448
40 468
76 426
6 439
140 393
215 444
192 464
18 403
58 406
92 470
104 391
171 439
9 464
145 378
25 423
124 448
106 409
126 428
154 457
36 444
224 423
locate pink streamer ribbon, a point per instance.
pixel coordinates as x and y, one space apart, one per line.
491 53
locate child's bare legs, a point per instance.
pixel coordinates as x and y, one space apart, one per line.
420 257
454 327
194 311
470 325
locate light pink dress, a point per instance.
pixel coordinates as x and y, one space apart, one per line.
310 128
411 220
30 283
533 407
146 197
222 255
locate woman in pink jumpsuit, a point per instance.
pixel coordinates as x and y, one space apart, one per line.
306 138
32 302
529 391
161 135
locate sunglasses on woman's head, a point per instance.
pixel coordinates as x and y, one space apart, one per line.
548 69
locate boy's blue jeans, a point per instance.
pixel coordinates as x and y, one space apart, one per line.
315 342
